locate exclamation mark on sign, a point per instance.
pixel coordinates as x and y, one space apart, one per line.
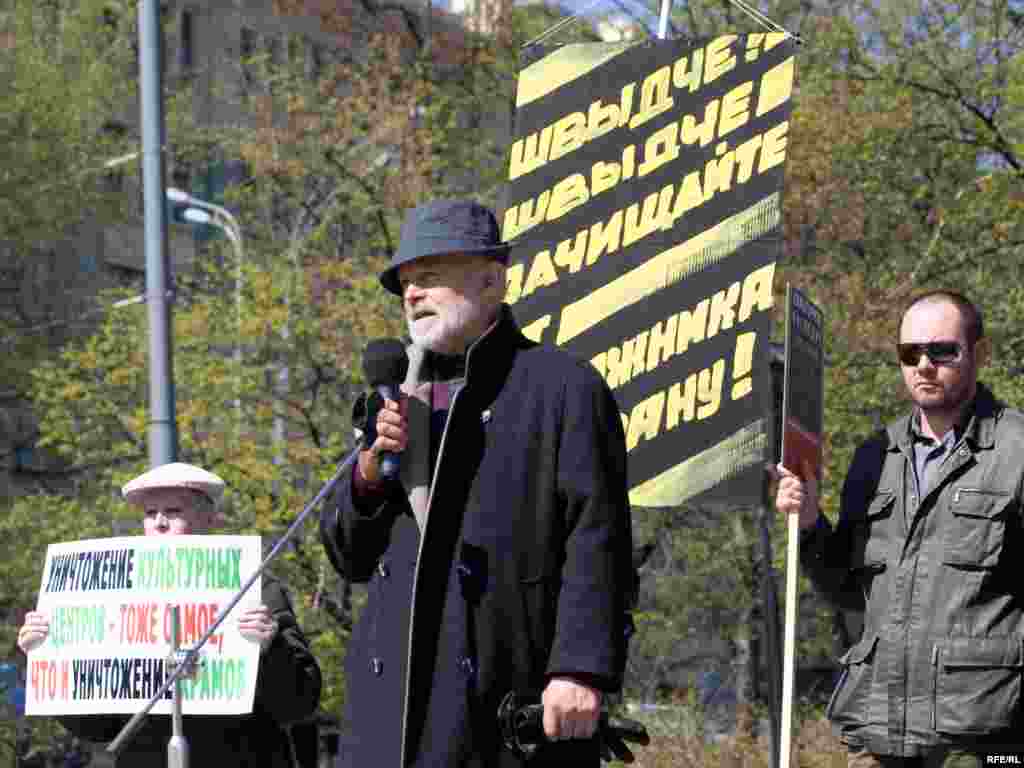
754 42
742 365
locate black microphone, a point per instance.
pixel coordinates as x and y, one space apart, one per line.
385 364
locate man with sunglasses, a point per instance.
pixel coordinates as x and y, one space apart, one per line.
928 546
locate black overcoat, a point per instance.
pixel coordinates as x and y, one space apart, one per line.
528 532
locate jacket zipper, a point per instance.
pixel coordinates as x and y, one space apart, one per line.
979 492
416 573
835 691
935 684
419 551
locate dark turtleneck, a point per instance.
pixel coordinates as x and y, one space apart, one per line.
448 367
449 374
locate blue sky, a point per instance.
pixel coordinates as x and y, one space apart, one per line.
643 12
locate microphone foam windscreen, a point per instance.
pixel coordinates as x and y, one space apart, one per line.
385 362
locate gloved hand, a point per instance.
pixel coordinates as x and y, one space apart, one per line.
614 732
522 729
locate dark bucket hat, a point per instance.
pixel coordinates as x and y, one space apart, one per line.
445 226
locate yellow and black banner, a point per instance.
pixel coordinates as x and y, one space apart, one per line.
644 205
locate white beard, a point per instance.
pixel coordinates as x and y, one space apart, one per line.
446 331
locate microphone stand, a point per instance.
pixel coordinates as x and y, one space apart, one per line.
178 746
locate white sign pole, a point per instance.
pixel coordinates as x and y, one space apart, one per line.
804 363
789 642
666 6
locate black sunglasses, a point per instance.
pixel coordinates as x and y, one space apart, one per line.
939 352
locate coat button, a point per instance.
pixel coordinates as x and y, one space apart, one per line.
964 451
382 569
377 666
466 666
485 416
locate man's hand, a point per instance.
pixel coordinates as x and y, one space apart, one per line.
392 436
34 631
571 709
521 722
258 625
796 496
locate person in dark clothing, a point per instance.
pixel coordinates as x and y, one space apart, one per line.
305 739
180 499
499 560
928 545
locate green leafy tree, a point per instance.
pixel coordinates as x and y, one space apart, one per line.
920 190
67 73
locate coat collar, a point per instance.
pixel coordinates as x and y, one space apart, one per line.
980 431
490 356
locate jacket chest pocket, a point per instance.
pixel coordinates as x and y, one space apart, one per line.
977 527
872 541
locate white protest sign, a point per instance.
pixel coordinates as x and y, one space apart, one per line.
109 604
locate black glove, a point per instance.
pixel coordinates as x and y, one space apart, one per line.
614 732
522 730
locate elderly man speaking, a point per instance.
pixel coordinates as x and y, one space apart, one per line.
499 559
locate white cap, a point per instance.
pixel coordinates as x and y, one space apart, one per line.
175 475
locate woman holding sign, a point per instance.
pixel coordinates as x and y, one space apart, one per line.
181 499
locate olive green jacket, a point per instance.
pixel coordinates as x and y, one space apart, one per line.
939 580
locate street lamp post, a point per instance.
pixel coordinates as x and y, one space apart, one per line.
182 197
163 433
203 212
